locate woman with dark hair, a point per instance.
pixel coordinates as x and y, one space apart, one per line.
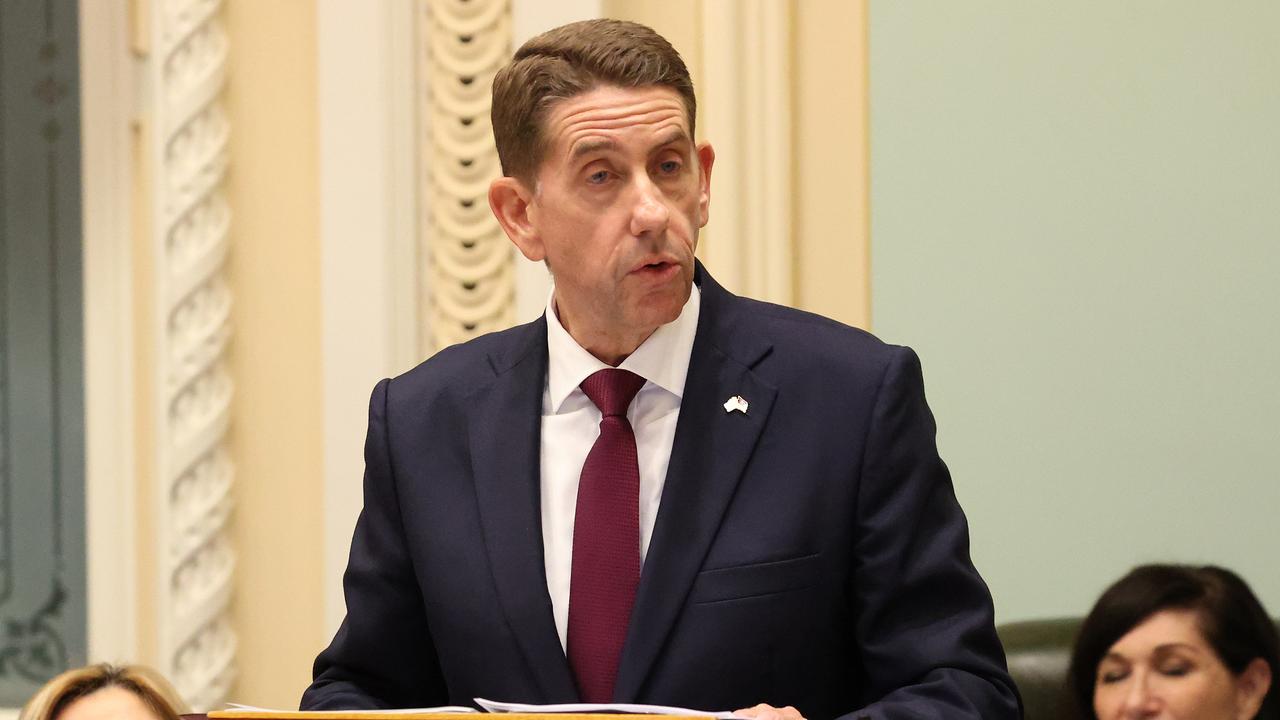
1176 641
105 692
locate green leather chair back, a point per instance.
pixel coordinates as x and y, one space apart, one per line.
1039 652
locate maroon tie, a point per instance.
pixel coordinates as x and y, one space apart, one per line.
606 539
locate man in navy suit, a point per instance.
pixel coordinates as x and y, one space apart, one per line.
801 551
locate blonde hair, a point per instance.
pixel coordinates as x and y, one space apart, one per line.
150 687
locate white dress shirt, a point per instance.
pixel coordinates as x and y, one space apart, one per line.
571 424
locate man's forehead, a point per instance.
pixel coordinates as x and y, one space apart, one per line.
608 111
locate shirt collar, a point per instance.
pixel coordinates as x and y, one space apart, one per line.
662 359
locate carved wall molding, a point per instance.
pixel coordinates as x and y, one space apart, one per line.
469 288
187 153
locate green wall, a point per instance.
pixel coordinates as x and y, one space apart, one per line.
1076 222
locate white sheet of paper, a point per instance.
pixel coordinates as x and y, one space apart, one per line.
442 709
494 706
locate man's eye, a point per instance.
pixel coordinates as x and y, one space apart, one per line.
598 177
670 167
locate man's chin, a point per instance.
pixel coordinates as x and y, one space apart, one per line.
666 307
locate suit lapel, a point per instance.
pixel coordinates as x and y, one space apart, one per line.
505 436
709 454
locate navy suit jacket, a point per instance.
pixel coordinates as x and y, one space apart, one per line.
809 552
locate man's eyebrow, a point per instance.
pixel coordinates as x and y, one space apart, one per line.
586 147
589 146
676 135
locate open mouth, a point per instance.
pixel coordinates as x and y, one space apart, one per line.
656 270
655 266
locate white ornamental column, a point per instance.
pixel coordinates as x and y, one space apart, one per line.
185 148
471 280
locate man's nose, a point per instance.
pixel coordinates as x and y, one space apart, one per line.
649 215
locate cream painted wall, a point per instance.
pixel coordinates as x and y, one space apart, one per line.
831 175
276 363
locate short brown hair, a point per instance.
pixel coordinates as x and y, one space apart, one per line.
570 60
150 686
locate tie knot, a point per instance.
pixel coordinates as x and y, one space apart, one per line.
612 390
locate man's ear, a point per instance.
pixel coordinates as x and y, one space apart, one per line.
509 199
1251 688
706 159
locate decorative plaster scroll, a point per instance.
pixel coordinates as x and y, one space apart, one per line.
470 288
192 386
